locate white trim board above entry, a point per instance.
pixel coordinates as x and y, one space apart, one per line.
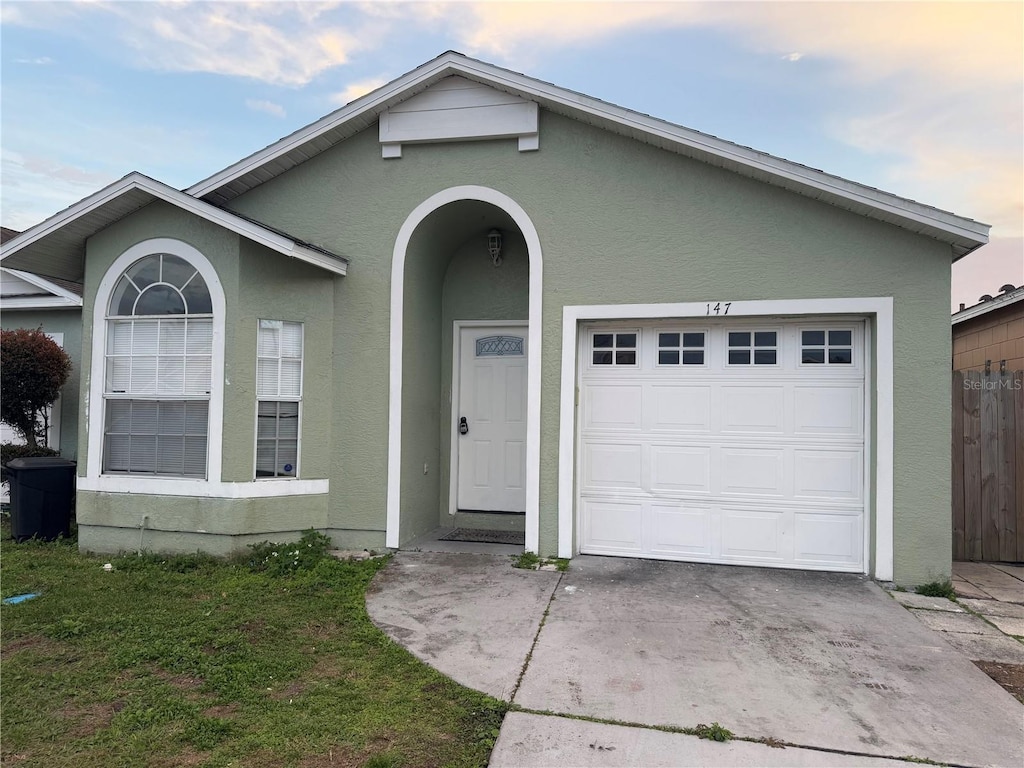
457 109
879 433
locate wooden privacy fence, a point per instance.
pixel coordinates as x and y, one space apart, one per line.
988 466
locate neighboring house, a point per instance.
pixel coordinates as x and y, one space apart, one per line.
992 331
30 301
471 297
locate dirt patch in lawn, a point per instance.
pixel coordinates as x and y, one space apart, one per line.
187 756
38 643
223 711
1010 676
90 718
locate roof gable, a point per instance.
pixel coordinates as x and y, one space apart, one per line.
963 234
57 246
24 290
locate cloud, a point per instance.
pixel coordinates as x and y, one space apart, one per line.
286 44
354 90
36 186
41 60
795 56
262 105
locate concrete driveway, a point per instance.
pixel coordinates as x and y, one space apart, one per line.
826 663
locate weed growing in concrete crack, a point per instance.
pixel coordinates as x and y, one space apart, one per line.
526 560
937 589
714 732
531 561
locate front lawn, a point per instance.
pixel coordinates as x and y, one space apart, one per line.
172 661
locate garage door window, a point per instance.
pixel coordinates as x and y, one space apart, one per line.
681 348
615 349
826 347
753 348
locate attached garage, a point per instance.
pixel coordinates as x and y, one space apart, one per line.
724 440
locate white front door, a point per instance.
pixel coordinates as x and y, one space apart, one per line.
491 419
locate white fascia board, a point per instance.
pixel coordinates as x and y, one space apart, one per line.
67 297
452 63
159 190
776 166
38 302
69 214
989 306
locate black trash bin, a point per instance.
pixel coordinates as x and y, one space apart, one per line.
42 490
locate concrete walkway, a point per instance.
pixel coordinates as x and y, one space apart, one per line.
826 663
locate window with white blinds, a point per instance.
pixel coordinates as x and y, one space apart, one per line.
158 370
279 396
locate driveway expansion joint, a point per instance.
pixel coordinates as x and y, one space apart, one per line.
771 742
536 637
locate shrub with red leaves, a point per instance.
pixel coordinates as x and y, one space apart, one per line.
33 368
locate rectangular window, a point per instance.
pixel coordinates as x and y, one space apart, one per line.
157 386
685 348
278 394
753 348
614 348
160 437
826 347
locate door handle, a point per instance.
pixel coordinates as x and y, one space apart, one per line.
463 426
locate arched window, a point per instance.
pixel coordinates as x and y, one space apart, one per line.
158 361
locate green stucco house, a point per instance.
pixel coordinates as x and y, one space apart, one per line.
471 298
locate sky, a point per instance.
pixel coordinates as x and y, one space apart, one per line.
921 99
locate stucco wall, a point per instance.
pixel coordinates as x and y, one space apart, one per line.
68 322
618 221
258 283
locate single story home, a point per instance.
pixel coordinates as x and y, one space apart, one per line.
30 301
471 297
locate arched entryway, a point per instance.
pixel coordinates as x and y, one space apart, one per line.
442 276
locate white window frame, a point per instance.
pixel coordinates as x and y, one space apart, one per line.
682 348
614 348
752 348
279 398
172 485
827 328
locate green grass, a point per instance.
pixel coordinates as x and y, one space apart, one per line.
190 660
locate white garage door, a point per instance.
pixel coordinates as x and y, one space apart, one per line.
724 442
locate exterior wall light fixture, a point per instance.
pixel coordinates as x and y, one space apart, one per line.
494 246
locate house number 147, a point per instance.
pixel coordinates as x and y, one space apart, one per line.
720 308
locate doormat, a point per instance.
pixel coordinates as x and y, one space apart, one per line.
482 536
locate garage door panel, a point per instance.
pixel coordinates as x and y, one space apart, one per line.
828 410
752 471
828 474
612 527
680 529
680 469
833 539
679 408
753 535
613 465
758 465
613 406
753 409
